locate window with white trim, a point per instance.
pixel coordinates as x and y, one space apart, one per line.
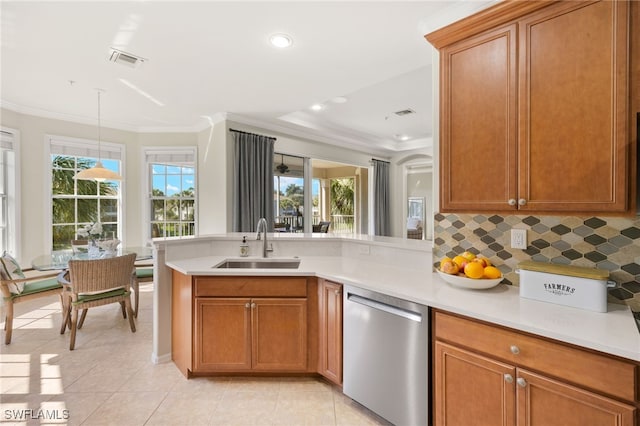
172 191
77 203
9 178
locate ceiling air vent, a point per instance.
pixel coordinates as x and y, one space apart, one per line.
124 58
404 112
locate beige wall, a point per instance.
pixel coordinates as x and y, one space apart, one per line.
215 171
34 223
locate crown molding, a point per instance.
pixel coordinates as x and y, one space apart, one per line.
324 134
291 129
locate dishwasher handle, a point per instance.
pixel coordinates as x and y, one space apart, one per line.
393 310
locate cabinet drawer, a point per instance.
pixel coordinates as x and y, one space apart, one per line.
250 286
592 370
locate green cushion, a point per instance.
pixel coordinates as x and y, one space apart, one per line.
83 298
144 273
38 287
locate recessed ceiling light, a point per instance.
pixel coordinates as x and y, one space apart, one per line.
281 40
317 107
402 137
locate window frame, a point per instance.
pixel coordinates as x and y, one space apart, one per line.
13 192
106 150
167 155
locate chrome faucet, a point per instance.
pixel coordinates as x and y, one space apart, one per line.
262 227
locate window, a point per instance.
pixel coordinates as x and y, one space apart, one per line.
342 204
8 192
288 185
172 192
76 203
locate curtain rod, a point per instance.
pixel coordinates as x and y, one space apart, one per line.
254 134
382 161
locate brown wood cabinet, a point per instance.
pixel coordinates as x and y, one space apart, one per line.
534 108
244 324
330 330
250 334
500 376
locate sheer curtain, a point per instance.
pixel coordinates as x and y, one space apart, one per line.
252 181
381 198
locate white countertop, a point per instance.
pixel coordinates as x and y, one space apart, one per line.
614 332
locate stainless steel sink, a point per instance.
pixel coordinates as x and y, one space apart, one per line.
259 264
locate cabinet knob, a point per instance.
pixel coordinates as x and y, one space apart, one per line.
247 305
522 202
508 378
512 201
253 305
514 349
521 382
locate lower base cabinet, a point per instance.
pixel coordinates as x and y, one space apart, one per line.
244 324
241 334
330 330
487 375
469 386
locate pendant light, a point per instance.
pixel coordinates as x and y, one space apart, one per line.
98 172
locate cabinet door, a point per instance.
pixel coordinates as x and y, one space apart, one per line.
222 334
573 142
478 122
331 331
471 389
279 334
546 402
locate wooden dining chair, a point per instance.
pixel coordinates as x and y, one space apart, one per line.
96 282
16 287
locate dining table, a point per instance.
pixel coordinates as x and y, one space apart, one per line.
59 259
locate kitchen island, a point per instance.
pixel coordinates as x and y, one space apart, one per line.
605 345
403 269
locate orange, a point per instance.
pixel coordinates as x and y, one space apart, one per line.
491 272
474 270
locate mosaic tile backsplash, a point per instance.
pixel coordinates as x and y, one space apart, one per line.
610 243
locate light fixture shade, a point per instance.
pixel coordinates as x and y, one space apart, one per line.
98 173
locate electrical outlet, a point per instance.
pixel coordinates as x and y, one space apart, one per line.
519 238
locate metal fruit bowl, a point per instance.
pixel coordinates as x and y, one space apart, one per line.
469 283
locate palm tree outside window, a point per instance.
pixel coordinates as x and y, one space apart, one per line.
76 203
172 189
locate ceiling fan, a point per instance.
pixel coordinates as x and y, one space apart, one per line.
282 168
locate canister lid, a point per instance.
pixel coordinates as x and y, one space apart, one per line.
574 271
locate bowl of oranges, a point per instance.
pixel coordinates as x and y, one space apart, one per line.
467 270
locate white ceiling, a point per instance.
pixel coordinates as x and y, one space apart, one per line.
207 60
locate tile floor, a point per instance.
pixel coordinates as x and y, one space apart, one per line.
109 380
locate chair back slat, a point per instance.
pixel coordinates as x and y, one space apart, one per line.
96 275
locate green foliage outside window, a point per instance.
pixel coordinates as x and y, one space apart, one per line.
172 200
76 203
342 196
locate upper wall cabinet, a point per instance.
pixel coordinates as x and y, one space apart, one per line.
534 109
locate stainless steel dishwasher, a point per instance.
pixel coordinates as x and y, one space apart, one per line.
385 355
